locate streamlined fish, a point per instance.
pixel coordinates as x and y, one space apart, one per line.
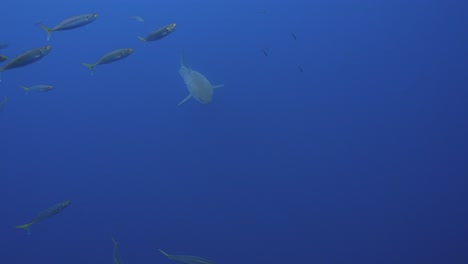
198 85
3 58
115 253
137 18
70 23
159 33
27 57
110 57
37 88
49 212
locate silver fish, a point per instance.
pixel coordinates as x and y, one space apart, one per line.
45 214
27 57
37 88
110 57
159 33
70 23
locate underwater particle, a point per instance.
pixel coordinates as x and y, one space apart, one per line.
198 85
45 214
159 33
110 57
69 23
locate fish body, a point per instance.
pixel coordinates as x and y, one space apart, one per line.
49 212
70 23
159 33
110 57
3 58
37 88
198 85
27 57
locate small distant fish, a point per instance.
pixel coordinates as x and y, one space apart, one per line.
266 51
300 68
115 253
187 259
292 35
37 88
159 33
3 58
70 23
3 45
3 102
45 214
27 57
110 57
137 18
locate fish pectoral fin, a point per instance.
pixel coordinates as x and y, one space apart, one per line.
218 86
167 255
185 99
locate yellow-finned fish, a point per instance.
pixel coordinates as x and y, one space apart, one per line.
159 33
45 214
27 58
110 57
187 259
69 23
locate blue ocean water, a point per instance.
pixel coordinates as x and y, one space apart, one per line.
359 158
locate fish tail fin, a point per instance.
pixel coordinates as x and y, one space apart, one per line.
25 227
218 86
142 39
46 29
90 66
167 255
25 89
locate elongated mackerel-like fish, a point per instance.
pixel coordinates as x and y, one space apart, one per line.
45 214
159 33
187 259
27 57
70 23
110 57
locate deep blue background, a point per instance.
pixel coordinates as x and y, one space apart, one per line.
361 158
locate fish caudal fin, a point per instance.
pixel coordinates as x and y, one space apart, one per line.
218 86
25 227
90 66
26 89
185 99
46 29
142 39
